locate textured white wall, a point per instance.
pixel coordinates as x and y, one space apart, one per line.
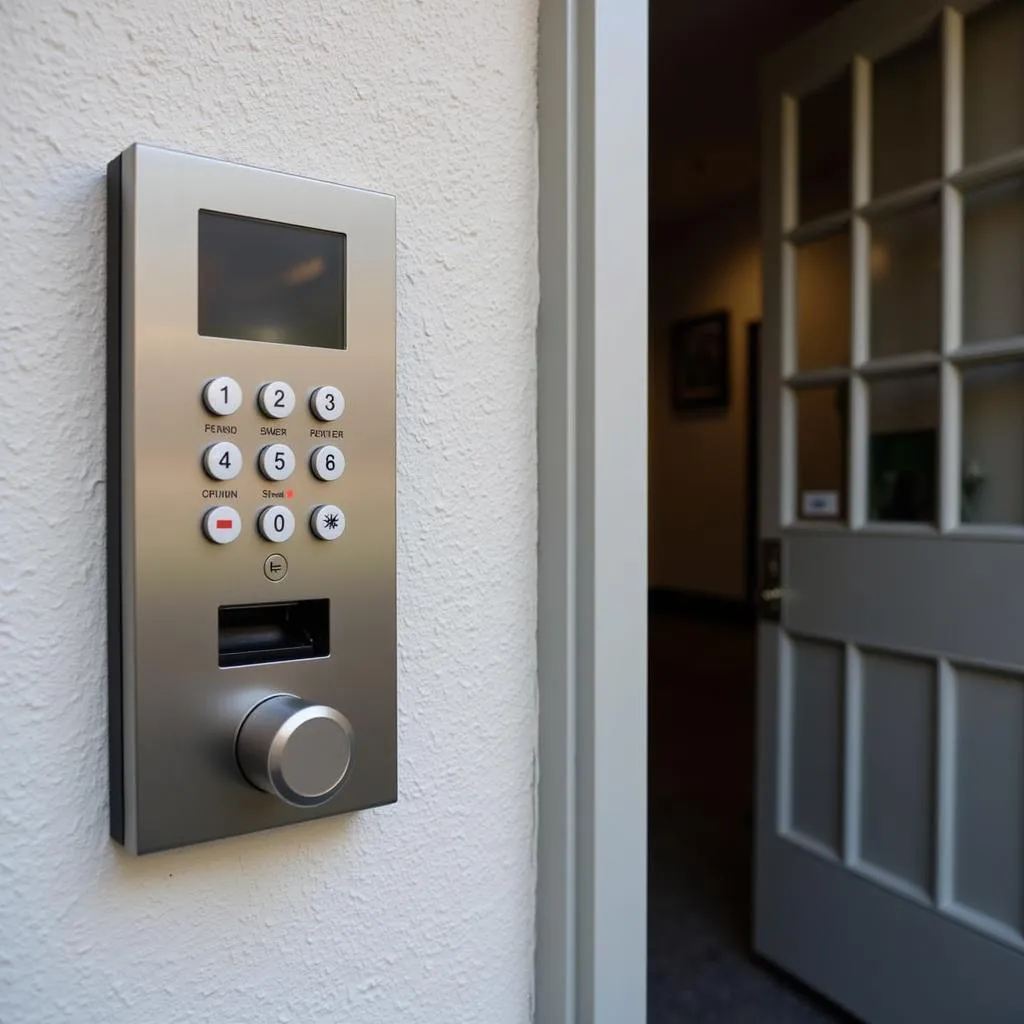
422 912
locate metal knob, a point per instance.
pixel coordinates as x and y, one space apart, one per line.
297 751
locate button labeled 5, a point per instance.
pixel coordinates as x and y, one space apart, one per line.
277 400
276 523
327 462
222 461
327 522
327 403
222 396
277 462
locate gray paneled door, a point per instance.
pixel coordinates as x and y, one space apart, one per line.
890 848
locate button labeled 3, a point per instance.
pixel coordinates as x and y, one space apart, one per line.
327 522
327 403
222 524
276 523
277 400
222 396
222 461
327 462
277 462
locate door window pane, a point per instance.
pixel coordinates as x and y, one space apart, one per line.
907 117
994 81
992 480
993 275
825 160
821 453
905 282
903 448
823 302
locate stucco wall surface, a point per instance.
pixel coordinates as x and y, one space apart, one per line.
421 912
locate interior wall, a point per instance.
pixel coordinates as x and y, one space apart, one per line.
420 912
697 485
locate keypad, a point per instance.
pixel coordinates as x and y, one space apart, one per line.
277 462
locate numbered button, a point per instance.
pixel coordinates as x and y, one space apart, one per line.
276 523
222 524
222 396
277 400
222 461
327 462
327 522
277 462
327 403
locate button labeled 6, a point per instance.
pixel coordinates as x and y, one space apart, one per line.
327 462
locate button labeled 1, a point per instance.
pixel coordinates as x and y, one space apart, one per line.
327 522
327 462
222 461
277 462
276 523
222 524
327 403
222 396
277 399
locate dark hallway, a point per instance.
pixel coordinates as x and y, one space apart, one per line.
700 967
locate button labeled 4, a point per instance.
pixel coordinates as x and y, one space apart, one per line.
222 461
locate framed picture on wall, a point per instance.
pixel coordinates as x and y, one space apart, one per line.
700 363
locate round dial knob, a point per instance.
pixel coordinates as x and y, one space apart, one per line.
297 751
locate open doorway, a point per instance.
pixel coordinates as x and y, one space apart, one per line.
706 307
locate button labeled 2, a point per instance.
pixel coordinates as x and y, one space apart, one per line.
276 523
327 462
222 461
277 400
277 462
327 522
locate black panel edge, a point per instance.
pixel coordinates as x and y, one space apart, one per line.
699 605
115 700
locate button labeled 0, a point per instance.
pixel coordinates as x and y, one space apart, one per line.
276 523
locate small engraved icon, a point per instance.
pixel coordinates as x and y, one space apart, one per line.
330 521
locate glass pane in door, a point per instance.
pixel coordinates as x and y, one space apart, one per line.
825 160
823 302
821 452
903 448
907 117
993 274
994 81
906 277
992 478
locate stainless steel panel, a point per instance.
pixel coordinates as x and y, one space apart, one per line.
180 710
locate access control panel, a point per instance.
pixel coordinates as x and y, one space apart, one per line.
251 498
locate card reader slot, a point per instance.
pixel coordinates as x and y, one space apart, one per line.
258 634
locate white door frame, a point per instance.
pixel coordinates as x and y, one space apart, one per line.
591 956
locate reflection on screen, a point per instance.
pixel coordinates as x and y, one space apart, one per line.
264 281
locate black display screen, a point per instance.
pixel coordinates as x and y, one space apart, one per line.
264 281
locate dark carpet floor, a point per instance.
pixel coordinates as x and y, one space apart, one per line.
700 966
